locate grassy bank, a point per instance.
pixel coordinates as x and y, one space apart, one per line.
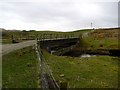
102 39
20 69
92 72
105 43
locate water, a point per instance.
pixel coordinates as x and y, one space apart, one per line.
52 52
86 55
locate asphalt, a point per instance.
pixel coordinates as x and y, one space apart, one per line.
7 48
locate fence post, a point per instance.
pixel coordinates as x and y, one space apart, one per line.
63 85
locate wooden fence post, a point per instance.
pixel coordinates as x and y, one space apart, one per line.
63 85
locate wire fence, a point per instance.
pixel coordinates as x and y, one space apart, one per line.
47 80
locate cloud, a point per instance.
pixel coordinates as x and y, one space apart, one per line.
57 15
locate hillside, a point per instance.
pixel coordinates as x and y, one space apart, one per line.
103 39
105 33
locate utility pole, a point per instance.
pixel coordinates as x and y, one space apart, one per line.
91 25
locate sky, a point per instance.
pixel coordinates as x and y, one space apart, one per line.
58 15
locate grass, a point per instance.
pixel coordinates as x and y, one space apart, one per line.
92 72
102 39
6 41
9 41
20 69
106 43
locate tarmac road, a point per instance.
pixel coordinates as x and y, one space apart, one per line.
7 48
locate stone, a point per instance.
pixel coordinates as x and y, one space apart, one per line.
62 75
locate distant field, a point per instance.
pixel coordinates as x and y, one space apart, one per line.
92 72
9 41
28 35
7 34
6 41
20 69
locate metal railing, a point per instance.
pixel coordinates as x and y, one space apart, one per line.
43 37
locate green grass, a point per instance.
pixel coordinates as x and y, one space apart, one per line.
20 69
93 72
6 41
9 41
104 43
94 41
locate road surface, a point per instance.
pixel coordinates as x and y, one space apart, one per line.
7 48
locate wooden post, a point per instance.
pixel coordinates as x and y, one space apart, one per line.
12 38
63 85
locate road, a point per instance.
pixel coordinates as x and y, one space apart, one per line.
7 48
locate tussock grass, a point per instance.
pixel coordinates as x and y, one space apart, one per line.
20 69
102 39
92 72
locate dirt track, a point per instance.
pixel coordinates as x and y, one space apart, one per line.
7 48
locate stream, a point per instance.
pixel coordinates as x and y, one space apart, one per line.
86 55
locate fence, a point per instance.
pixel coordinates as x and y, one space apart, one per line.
47 80
55 36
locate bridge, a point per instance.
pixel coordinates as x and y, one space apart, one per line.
57 44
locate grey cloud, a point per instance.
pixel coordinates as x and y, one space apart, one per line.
49 12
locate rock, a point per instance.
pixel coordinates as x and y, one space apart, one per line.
29 65
105 64
62 75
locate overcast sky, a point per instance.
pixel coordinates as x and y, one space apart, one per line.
58 15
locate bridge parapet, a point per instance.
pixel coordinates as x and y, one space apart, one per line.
55 36
60 42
